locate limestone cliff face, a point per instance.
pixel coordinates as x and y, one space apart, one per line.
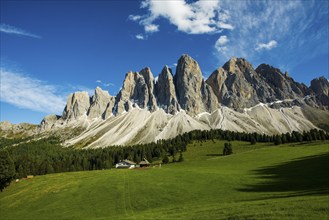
165 91
193 94
137 90
217 82
99 103
77 105
149 80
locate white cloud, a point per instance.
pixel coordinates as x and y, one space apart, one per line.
220 44
134 17
151 28
200 17
222 40
26 92
139 37
270 45
225 25
98 81
5 28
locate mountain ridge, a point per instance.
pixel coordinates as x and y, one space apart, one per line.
178 103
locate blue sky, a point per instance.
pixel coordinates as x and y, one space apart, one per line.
52 48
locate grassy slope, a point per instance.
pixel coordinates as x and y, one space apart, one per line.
257 182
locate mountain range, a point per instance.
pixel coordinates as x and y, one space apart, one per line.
235 97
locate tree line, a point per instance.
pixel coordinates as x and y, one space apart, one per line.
46 156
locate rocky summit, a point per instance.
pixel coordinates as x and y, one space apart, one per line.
235 97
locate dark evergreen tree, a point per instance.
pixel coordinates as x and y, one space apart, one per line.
253 141
227 149
277 140
7 169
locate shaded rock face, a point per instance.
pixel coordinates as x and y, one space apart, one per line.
109 108
77 105
238 85
99 103
193 94
283 86
165 91
320 88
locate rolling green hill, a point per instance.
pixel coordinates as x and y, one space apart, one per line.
259 181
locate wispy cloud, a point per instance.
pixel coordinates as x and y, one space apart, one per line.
134 17
140 37
267 46
29 93
200 17
259 26
104 84
8 29
151 28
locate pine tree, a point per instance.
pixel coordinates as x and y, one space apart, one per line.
7 169
253 141
277 140
227 149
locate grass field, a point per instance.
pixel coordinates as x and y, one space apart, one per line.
256 182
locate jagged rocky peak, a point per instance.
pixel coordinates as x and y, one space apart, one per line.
193 94
217 82
238 66
100 102
77 105
320 86
283 85
149 80
165 91
137 90
235 84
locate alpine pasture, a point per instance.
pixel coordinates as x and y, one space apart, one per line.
260 181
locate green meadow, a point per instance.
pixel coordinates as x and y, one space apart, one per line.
259 181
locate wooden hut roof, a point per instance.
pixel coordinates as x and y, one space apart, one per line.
130 162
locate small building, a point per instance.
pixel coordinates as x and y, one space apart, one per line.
144 163
125 164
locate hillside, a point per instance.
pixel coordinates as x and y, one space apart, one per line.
259 181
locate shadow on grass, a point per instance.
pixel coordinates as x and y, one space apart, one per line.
303 176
